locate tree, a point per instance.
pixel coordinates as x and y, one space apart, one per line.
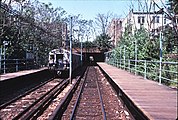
173 6
173 12
102 21
36 28
171 32
103 43
146 48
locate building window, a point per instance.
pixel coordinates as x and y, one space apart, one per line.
153 20
139 21
157 19
143 19
120 24
164 20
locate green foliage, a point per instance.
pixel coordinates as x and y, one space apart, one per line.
169 40
173 6
36 29
103 43
138 44
148 49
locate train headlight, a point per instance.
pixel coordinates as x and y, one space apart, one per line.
65 66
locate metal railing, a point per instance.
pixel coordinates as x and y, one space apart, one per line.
14 65
166 74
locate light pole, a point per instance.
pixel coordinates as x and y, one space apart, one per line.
160 52
124 56
5 43
135 56
80 44
0 57
81 50
70 72
120 56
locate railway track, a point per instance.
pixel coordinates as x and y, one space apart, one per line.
91 103
89 96
22 94
39 102
95 99
25 106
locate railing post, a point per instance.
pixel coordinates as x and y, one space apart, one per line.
124 57
135 67
16 65
0 66
129 65
145 66
26 64
120 57
117 63
113 61
4 66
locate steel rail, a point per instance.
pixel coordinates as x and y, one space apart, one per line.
101 99
57 114
78 97
37 101
45 103
22 95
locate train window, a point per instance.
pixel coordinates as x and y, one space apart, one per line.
51 57
59 56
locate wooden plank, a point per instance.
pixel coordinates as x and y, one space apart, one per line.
157 102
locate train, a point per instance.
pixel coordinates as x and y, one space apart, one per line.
59 61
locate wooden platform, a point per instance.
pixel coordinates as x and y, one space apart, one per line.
157 102
19 73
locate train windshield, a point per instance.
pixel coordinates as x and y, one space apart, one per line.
59 56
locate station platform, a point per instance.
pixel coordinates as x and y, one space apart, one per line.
157 102
19 73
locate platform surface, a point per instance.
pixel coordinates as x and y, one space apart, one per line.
19 73
157 102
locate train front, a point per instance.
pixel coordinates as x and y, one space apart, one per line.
59 61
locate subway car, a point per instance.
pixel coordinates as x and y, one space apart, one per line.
59 61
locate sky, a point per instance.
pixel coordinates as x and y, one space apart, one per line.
90 8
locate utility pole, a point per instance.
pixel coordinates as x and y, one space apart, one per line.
4 57
1 40
124 56
81 51
135 56
160 56
70 72
5 43
0 58
160 52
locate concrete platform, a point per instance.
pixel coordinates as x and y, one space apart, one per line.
157 102
19 73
